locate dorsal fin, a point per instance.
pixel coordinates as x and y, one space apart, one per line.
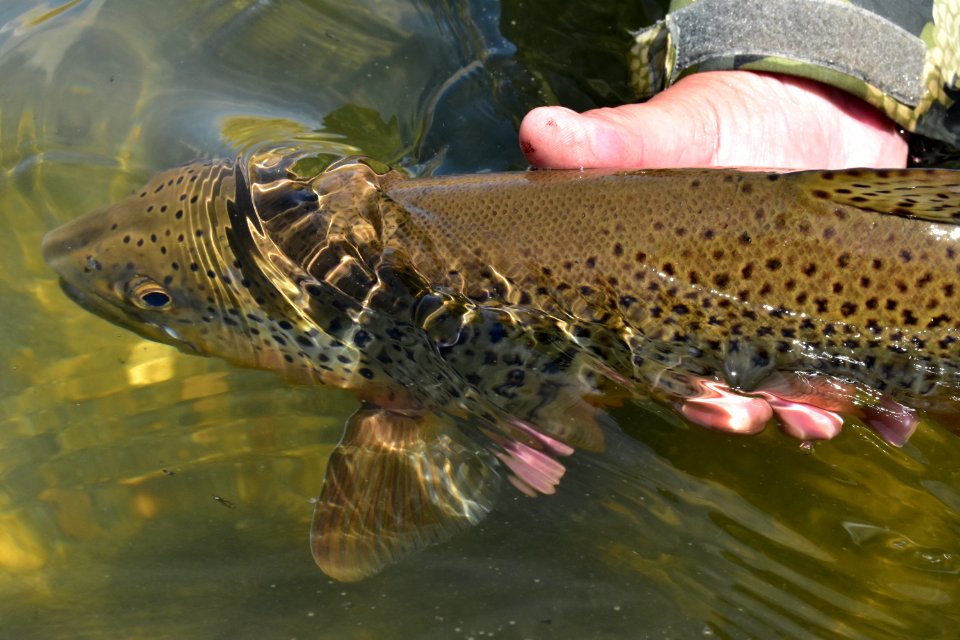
925 194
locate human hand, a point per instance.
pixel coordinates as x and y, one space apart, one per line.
720 119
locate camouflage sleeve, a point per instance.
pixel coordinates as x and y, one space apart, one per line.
902 56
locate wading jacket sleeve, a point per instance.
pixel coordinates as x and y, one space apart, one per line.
902 56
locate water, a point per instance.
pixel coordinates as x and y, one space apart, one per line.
145 493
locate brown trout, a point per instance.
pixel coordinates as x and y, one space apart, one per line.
485 321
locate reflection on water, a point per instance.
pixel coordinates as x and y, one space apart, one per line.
147 493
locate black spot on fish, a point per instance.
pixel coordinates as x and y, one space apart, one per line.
497 333
304 341
361 338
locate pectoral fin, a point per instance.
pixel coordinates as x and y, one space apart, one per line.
926 194
396 484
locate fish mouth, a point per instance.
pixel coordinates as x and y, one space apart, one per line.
103 309
80 297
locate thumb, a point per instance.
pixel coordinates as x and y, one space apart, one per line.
723 118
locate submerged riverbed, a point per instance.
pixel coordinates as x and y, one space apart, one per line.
146 493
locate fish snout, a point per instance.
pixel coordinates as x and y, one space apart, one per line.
69 249
55 245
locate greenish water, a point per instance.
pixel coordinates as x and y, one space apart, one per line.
113 451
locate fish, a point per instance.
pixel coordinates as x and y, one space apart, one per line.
487 324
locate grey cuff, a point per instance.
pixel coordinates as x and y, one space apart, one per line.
826 33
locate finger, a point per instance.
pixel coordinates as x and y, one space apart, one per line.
633 135
724 118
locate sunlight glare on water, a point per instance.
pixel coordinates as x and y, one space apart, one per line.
146 493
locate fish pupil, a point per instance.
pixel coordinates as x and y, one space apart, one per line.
155 299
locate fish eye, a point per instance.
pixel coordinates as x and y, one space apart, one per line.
145 293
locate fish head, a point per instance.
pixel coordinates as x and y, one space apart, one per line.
250 262
156 263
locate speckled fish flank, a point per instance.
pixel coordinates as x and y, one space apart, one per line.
485 321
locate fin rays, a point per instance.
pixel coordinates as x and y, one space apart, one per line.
393 486
925 194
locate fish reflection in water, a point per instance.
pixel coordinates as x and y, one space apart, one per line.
487 322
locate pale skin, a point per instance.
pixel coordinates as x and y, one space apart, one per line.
720 119
737 119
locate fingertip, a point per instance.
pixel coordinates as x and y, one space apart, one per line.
632 136
545 135
558 138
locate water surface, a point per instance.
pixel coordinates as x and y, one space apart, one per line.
145 493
